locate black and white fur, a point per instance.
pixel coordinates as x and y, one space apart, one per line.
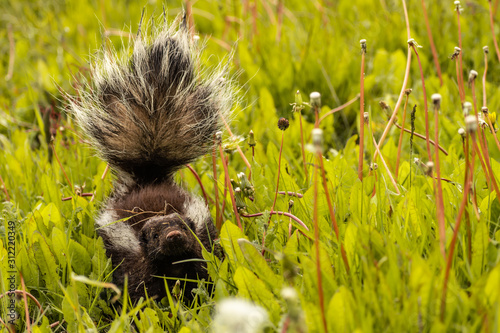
148 115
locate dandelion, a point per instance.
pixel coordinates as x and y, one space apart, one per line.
239 315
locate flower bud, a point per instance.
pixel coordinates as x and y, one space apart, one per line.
472 75
436 99
363 45
429 167
298 98
366 117
466 108
251 139
315 98
484 109
373 166
470 124
461 131
218 137
408 91
486 49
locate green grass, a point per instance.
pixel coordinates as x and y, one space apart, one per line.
397 271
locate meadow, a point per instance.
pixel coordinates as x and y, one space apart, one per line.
376 209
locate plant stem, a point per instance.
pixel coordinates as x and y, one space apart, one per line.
493 31
279 169
385 166
230 186
433 46
452 245
302 148
398 103
400 143
418 135
293 217
429 155
205 196
239 150
461 78
218 217
316 246
338 108
332 213
439 201
361 116
492 175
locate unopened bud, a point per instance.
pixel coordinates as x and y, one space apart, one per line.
298 98
251 139
436 99
373 166
470 124
317 138
457 49
363 45
429 167
218 137
484 109
315 98
486 49
472 75
408 91
461 131
366 117
466 108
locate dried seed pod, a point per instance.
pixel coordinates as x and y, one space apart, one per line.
466 108
283 124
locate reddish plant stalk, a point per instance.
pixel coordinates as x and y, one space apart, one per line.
488 165
429 155
465 144
4 189
195 174
279 169
400 143
490 124
493 31
302 148
460 92
461 77
280 20
316 246
452 244
290 215
484 76
439 201
418 135
338 108
218 217
433 46
239 150
23 287
332 213
361 114
385 166
230 186
403 88
61 166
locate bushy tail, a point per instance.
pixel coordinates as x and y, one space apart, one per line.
150 113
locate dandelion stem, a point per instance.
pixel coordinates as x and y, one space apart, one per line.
361 113
401 137
433 46
439 187
418 135
230 186
303 148
429 155
493 31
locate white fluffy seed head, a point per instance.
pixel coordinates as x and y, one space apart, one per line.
473 74
461 131
470 124
484 109
466 108
239 315
486 49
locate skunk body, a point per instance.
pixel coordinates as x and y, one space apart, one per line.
148 115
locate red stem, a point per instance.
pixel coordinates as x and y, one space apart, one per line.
433 46
439 201
199 182
400 143
230 186
493 31
425 105
361 117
